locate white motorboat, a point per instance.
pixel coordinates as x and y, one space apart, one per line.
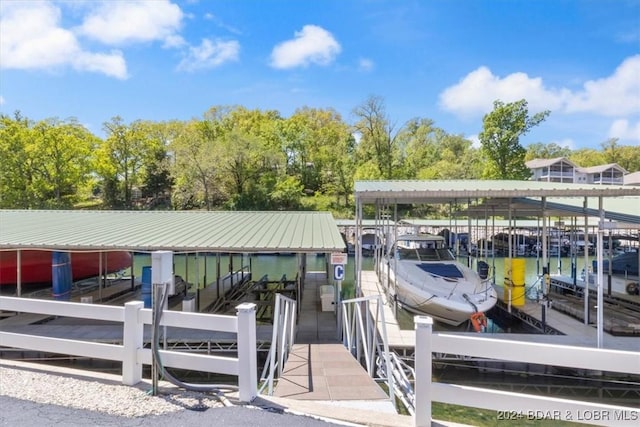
425 278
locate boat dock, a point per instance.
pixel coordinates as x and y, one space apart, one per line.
319 367
569 331
622 311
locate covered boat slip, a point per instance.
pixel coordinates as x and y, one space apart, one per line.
610 208
184 232
319 368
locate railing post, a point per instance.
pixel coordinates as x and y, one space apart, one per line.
132 341
422 415
247 353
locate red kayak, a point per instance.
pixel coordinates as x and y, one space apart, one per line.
36 265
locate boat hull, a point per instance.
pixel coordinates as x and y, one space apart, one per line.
440 308
36 265
445 290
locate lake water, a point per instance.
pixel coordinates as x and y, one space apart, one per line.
202 269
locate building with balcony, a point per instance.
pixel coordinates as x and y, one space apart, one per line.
611 174
561 169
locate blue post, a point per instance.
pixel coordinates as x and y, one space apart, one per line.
61 276
146 286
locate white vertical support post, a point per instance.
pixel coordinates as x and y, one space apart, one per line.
422 415
132 340
585 204
247 353
600 286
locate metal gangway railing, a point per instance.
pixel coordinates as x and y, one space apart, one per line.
283 337
365 336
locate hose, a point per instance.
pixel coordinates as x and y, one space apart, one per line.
218 389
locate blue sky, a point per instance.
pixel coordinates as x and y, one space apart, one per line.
446 60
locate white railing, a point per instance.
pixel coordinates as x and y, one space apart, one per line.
361 336
132 353
284 333
516 406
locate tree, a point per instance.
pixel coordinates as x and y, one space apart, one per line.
252 158
319 149
378 142
46 164
195 168
629 158
421 146
120 161
61 162
157 181
500 139
457 159
552 150
15 178
586 157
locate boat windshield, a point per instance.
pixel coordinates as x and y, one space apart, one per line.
424 254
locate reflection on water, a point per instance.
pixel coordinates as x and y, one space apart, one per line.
202 269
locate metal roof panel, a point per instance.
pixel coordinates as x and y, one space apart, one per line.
169 230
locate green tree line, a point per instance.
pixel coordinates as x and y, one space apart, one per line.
234 158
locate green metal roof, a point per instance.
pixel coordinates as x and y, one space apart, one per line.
463 222
183 231
441 191
621 203
365 223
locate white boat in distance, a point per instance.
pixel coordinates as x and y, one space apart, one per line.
427 279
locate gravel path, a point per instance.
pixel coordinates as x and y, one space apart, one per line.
33 394
102 394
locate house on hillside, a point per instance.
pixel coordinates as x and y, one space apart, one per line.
559 169
611 174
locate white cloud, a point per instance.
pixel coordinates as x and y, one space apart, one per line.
476 92
365 64
112 64
31 38
123 22
312 45
221 24
624 130
616 95
210 54
174 41
1 99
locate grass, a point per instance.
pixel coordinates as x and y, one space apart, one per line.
488 418
482 417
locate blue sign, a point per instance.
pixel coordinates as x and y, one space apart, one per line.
338 272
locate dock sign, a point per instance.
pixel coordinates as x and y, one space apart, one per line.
338 258
338 272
